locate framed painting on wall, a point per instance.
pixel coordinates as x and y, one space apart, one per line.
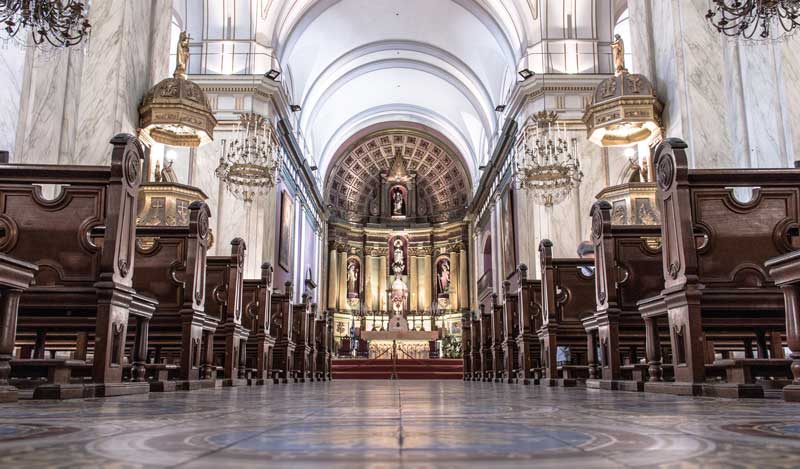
509 251
285 241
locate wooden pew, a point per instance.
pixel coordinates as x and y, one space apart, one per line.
311 343
487 373
328 344
15 277
497 339
510 330
258 319
627 262
567 298
300 316
224 293
171 266
529 317
320 358
84 282
282 330
466 344
477 353
785 270
716 288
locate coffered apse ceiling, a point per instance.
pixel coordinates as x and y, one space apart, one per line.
443 185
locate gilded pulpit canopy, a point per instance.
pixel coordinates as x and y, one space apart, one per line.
176 111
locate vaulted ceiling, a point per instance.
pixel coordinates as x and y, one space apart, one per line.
354 179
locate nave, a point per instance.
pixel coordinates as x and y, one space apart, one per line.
354 424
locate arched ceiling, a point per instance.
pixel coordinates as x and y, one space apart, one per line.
442 63
354 177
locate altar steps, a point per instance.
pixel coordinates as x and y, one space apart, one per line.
362 368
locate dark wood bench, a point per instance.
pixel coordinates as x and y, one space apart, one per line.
510 328
84 281
301 317
171 267
785 270
224 294
258 318
15 277
529 316
627 270
282 329
486 338
567 299
466 344
716 287
476 354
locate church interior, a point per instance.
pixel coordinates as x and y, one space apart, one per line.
383 233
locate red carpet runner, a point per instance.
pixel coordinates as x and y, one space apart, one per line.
361 368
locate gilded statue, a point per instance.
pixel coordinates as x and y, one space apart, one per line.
618 52
182 60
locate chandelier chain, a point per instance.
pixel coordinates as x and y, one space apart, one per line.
757 20
59 23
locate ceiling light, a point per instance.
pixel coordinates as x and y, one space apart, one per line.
295 108
525 73
272 74
500 108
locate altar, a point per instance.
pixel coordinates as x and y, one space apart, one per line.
410 343
391 336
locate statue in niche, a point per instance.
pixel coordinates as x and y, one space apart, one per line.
399 263
352 278
618 52
443 275
182 56
398 202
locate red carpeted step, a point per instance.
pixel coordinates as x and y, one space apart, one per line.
362 368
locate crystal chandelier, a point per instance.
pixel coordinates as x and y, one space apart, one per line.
250 162
60 23
546 167
755 19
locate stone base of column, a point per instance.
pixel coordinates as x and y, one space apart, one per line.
8 394
791 393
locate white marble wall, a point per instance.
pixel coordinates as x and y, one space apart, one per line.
74 102
735 104
12 66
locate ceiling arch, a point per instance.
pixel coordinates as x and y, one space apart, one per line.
353 181
445 63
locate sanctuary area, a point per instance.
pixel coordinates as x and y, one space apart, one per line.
417 233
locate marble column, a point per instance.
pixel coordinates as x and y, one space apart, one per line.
454 279
734 104
333 278
369 284
343 280
382 274
463 280
413 283
73 103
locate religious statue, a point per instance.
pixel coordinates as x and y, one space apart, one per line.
352 278
398 204
182 56
618 52
168 174
399 295
443 274
398 263
157 172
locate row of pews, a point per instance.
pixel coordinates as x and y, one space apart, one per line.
94 305
703 304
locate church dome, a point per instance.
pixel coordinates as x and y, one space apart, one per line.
624 111
176 112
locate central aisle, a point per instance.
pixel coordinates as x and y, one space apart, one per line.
403 423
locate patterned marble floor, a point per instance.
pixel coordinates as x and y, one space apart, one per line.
410 424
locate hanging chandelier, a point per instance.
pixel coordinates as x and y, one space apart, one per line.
250 162
59 23
755 19
546 167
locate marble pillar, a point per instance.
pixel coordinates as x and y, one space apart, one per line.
382 275
454 279
73 103
463 280
343 281
333 279
413 283
735 104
